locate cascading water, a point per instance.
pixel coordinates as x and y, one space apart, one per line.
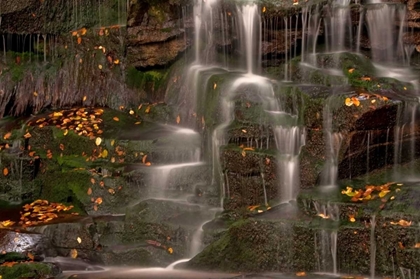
384 39
328 239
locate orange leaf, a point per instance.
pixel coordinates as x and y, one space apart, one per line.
79 40
5 171
178 119
31 154
116 119
92 180
89 191
143 160
61 146
98 200
73 253
111 191
147 110
7 135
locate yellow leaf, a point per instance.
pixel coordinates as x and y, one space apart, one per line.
79 239
214 85
35 94
73 253
84 98
66 132
98 141
131 112
243 153
137 123
351 70
147 110
383 193
27 135
104 153
100 67
352 219
112 142
178 119
116 61
5 171
349 102
170 250
57 114
264 9
83 31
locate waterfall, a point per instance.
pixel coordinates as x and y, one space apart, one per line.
385 43
328 239
289 141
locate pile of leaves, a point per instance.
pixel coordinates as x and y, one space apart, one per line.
37 213
82 121
371 192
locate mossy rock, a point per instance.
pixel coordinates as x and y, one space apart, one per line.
255 246
29 270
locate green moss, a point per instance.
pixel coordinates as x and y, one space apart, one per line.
65 187
145 79
28 270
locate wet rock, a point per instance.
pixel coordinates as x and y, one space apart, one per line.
253 246
155 34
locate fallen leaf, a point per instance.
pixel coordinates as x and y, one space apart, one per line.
147 110
98 141
79 240
170 250
351 70
111 191
178 119
116 119
79 40
349 102
131 112
89 191
5 171
73 253
143 160
301 274
104 153
98 200
92 180
61 146
31 256
7 135
27 135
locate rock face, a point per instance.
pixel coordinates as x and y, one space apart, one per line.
156 34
